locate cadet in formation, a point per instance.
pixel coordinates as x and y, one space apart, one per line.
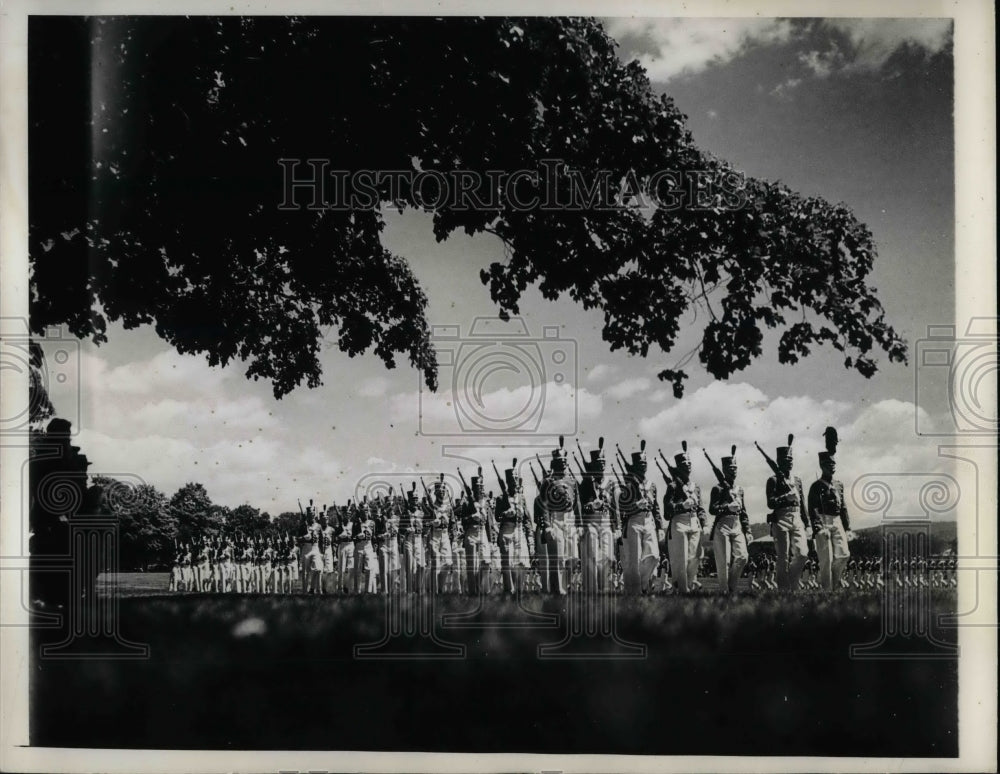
600 536
830 521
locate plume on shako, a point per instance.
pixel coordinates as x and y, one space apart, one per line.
639 458
729 463
439 486
830 455
832 439
682 458
511 477
559 455
478 484
785 452
597 461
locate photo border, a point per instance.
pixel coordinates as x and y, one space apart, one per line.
975 279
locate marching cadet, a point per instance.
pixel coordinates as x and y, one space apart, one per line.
175 582
314 557
788 520
753 571
327 536
187 566
304 541
323 536
642 525
492 557
365 561
807 579
686 523
731 527
280 561
258 564
227 565
345 548
440 526
560 501
476 518
850 577
876 571
515 534
294 567
597 541
457 576
830 522
267 570
414 555
196 564
387 545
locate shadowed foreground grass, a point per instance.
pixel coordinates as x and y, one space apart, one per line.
768 675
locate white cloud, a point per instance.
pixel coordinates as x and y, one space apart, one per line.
260 470
874 439
167 372
783 88
875 40
669 47
599 371
627 388
549 408
660 395
374 387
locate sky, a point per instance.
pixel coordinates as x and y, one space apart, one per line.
858 111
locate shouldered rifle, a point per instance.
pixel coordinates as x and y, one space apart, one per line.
541 465
583 471
723 484
666 478
503 486
620 457
465 486
531 467
718 473
670 468
770 463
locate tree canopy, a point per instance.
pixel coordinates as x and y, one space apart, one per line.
155 187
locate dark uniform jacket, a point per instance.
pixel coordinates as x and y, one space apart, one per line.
827 498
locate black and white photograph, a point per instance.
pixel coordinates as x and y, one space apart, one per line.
421 388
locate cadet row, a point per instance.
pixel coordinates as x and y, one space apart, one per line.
596 533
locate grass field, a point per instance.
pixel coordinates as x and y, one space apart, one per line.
753 674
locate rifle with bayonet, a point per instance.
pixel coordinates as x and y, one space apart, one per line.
723 484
